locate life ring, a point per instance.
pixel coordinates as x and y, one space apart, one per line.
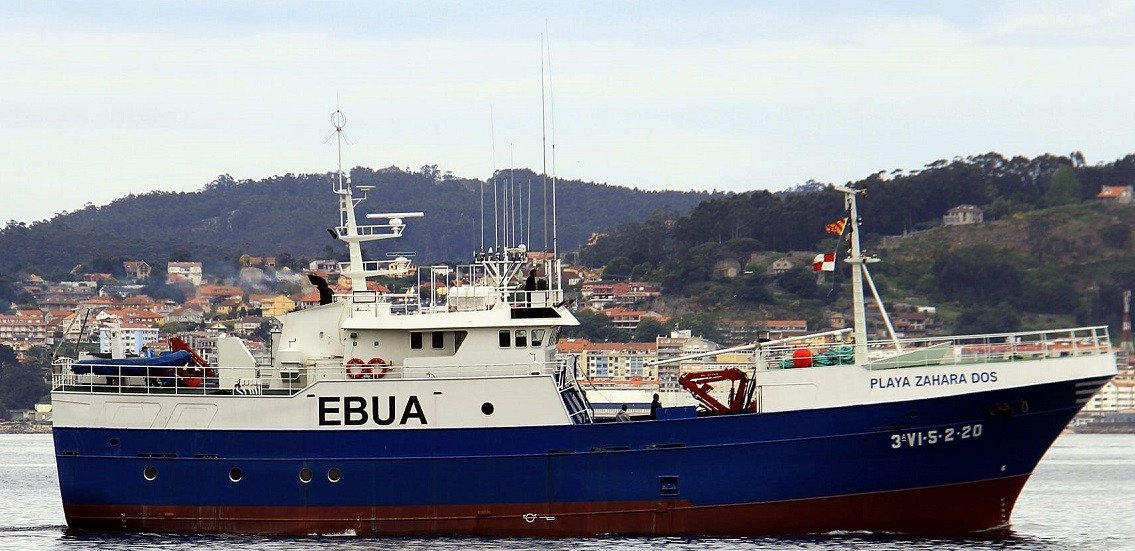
358 369
378 367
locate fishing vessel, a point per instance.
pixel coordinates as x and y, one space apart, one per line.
389 414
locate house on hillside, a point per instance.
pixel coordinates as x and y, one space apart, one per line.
625 318
1116 194
328 266
727 267
780 265
735 331
963 215
187 314
265 262
136 270
232 306
189 270
272 305
217 294
23 331
779 329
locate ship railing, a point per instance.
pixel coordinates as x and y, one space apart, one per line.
332 369
94 377
106 378
515 369
535 299
1022 346
494 279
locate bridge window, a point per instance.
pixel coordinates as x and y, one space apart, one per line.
521 338
416 340
438 339
537 337
504 338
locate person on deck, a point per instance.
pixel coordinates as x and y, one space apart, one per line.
622 415
529 287
654 405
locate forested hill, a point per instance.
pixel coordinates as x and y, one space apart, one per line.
288 215
895 203
1048 246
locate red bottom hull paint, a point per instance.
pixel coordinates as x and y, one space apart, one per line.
951 509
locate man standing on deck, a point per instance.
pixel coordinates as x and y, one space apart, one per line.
529 287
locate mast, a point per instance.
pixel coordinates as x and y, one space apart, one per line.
855 259
859 275
552 116
353 234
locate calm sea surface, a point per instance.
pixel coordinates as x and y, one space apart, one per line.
1081 497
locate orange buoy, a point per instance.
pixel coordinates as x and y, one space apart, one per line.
802 357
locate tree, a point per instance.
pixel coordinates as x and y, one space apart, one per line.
1063 187
980 274
22 386
159 290
798 281
596 326
648 329
641 271
751 287
619 267
700 324
1116 235
8 357
38 356
182 254
1001 318
1048 291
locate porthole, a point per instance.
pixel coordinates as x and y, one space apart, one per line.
487 408
333 474
113 442
150 473
305 475
235 474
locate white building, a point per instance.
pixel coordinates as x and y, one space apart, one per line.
1113 396
134 337
188 270
962 215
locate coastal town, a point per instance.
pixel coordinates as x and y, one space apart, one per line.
96 307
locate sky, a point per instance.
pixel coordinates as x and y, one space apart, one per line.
101 99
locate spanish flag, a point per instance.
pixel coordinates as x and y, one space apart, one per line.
836 228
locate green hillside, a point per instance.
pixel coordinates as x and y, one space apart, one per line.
1048 251
287 216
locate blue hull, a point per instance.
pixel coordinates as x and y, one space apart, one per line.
943 465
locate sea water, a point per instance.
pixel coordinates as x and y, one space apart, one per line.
1081 497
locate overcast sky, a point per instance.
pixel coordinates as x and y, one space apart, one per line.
101 99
